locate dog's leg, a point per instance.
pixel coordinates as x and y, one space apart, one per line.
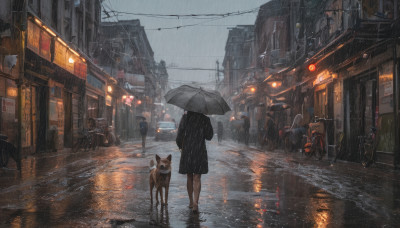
157 191
151 190
161 196
166 195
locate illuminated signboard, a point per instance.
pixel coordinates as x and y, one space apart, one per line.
33 37
60 52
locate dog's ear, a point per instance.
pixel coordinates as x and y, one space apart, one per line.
158 158
169 157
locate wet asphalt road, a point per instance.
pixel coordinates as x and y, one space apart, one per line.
245 187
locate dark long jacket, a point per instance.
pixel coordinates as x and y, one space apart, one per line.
193 130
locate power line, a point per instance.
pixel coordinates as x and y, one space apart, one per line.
190 16
213 17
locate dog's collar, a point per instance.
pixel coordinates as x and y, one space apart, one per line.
153 167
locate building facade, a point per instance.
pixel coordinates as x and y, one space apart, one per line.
336 59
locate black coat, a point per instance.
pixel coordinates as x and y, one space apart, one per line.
193 130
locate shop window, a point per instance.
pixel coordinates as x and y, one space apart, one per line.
93 107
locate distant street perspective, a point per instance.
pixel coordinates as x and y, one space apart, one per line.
245 187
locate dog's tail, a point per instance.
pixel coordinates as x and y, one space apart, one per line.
152 165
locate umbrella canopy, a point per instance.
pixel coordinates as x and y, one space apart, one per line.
194 99
278 107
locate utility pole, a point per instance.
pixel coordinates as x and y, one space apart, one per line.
217 78
21 63
396 104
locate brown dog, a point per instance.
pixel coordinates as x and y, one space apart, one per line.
160 175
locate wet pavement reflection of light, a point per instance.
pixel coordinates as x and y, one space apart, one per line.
244 188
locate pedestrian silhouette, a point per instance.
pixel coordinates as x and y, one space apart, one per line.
143 131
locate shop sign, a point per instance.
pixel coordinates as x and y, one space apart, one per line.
44 47
8 105
33 37
60 53
80 68
322 78
39 41
96 83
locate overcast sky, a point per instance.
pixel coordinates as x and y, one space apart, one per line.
188 47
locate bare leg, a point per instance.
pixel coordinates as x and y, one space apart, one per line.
197 189
190 189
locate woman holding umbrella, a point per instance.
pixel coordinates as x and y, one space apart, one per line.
193 130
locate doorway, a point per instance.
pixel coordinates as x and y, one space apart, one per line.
42 97
360 108
68 119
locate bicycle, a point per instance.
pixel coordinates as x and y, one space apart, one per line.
367 147
88 140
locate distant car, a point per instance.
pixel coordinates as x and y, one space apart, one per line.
165 131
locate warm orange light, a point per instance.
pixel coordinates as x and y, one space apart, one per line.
38 22
12 92
252 89
311 67
49 30
274 84
71 60
61 41
73 51
139 102
124 97
109 88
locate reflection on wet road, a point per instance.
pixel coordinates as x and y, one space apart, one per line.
244 188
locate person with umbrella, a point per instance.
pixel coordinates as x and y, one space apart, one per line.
194 128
